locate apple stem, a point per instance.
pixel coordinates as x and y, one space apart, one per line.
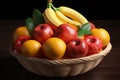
92 40
41 27
77 43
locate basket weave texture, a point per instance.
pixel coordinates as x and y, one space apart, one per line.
61 67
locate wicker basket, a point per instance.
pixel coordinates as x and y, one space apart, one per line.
62 67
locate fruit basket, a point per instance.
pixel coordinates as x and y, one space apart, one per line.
59 42
61 67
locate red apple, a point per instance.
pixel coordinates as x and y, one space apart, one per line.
94 44
20 41
65 32
92 26
42 54
77 48
42 32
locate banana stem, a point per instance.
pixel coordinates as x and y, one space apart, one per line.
54 8
49 5
49 1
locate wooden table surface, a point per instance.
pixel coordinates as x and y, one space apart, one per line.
108 69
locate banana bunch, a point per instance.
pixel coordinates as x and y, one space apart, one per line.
57 16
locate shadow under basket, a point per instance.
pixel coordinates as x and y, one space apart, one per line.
61 67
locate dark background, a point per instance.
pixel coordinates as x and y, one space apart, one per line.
91 9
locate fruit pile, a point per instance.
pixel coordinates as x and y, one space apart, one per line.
59 33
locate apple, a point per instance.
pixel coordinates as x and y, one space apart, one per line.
92 26
76 48
42 54
19 42
42 32
65 32
94 44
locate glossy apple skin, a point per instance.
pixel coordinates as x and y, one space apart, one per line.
92 26
19 42
65 32
94 44
77 48
42 32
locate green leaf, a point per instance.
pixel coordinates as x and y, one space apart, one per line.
85 26
83 32
29 25
37 17
85 29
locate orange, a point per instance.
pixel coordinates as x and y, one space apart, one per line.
31 48
20 31
102 34
54 48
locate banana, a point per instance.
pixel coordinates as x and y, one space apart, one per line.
47 20
65 19
49 13
73 14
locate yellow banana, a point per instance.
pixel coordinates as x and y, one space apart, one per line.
65 19
73 14
49 13
47 20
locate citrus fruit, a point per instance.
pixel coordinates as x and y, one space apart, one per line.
20 31
54 48
102 34
31 48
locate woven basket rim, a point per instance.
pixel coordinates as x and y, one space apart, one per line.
64 61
